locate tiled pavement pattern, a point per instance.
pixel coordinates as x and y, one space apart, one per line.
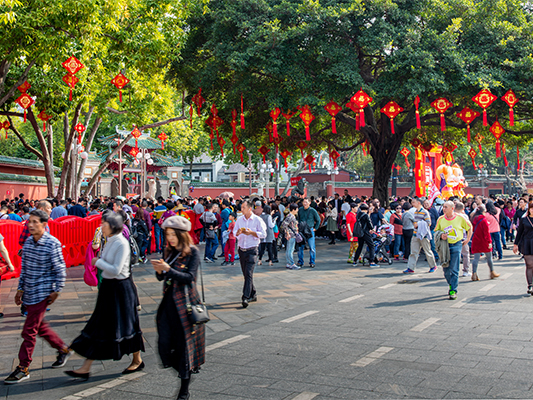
332 332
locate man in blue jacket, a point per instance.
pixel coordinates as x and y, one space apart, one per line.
310 216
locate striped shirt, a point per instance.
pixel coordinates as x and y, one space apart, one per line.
43 269
421 215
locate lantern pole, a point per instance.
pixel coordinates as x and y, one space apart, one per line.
250 172
144 160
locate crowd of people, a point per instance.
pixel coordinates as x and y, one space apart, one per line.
450 233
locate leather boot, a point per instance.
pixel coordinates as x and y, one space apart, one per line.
474 276
493 275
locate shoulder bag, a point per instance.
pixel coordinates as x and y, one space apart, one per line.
197 312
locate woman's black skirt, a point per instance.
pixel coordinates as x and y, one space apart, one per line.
113 329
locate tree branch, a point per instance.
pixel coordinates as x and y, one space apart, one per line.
20 81
110 109
23 141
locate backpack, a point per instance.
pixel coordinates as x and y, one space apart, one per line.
358 229
134 251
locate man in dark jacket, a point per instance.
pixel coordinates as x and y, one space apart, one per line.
78 210
310 216
366 225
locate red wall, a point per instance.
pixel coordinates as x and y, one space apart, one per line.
32 191
5 169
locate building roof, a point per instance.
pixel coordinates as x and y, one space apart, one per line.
236 168
143 142
22 162
25 178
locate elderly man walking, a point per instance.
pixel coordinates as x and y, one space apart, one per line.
310 216
42 278
249 230
421 237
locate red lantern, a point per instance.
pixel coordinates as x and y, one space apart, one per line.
415 142
451 147
73 66
24 87
270 129
274 114
242 113
264 151
333 109
417 102
484 99
391 110
134 151
234 140
120 81
25 101
441 105
468 115
163 137
511 100
71 81
479 139
43 116
285 154
217 122
301 145
221 143
136 133
309 159
7 125
517 154
240 149
80 129
307 118
277 141
360 100
405 152
199 101
288 115
504 155
334 155
497 130
472 154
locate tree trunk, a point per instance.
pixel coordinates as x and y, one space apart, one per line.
69 134
89 143
292 175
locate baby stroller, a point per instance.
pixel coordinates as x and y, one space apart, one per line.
381 255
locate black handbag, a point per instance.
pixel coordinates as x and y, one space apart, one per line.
197 312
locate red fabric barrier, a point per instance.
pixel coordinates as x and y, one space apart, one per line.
11 231
74 233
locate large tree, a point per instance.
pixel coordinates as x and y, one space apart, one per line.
137 38
286 53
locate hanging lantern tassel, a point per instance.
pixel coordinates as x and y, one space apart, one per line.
485 122
405 152
468 133
392 125
480 149
242 113
288 128
363 146
504 156
362 118
333 125
472 154
517 156
211 137
417 102
498 150
442 122
511 116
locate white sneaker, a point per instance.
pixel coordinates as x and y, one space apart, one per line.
467 274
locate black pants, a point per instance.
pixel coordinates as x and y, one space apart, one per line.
247 259
407 236
365 240
268 247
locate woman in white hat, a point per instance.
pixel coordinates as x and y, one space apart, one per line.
181 344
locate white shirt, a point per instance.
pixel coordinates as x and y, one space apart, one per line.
256 224
345 208
115 260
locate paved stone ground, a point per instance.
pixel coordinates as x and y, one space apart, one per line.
332 332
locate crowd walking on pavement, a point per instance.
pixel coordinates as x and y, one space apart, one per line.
450 232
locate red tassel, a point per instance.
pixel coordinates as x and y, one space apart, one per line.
275 127
302 153
357 123
44 126
162 145
120 95
442 122
468 133
285 163
392 126
485 123
418 126
242 159
217 134
190 113
288 128
511 116
70 95
505 161
264 159
517 153
79 140
498 151
234 150
24 115
362 116
307 135
333 125
474 164
242 114
480 149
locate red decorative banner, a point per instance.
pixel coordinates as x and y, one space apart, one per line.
25 101
163 137
472 154
511 100
468 115
484 99
274 114
405 152
288 115
441 105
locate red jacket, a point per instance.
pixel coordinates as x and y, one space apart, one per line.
481 237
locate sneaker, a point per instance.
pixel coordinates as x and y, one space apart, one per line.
296 267
62 359
214 259
18 375
432 270
408 271
225 263
311 265
453 295
208 260
466 273
374 265
350 261
300 264
231 263
529 290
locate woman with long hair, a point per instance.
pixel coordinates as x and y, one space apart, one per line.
524 244
181 344
332 215
481 242
113 329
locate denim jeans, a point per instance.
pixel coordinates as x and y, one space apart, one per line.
452 272
502 236
159 238
435 254
312 250
496 243
289 251
211 247
398 244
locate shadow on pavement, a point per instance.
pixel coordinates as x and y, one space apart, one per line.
402 303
